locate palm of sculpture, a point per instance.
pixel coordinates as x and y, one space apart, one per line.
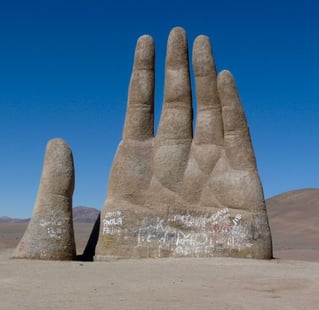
177 194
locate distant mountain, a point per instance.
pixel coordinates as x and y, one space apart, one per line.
300 201
295 209
85 214
6 219
80 215
294 223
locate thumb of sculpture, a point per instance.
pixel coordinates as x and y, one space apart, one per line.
50 234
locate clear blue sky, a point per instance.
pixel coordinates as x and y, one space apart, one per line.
65 68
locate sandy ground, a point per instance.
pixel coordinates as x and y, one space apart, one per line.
216 283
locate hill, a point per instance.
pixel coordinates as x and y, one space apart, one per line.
80 215
85 214
294 223
6 219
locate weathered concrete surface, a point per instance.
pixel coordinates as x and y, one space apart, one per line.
50 234
179 193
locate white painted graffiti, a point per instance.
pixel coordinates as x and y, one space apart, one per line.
237 219
111 223
198 235
55 225
113 214
202 221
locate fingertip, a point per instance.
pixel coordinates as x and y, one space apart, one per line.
144 53
177 35
58 151
225 76
203 60
58 168
144 41
146 37
201 40
57 142
177 50
227 89
177 31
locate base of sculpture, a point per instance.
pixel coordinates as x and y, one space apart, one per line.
224 233
48 237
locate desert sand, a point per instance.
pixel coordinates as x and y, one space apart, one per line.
217 283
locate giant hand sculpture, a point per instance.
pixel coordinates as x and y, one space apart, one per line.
179 194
